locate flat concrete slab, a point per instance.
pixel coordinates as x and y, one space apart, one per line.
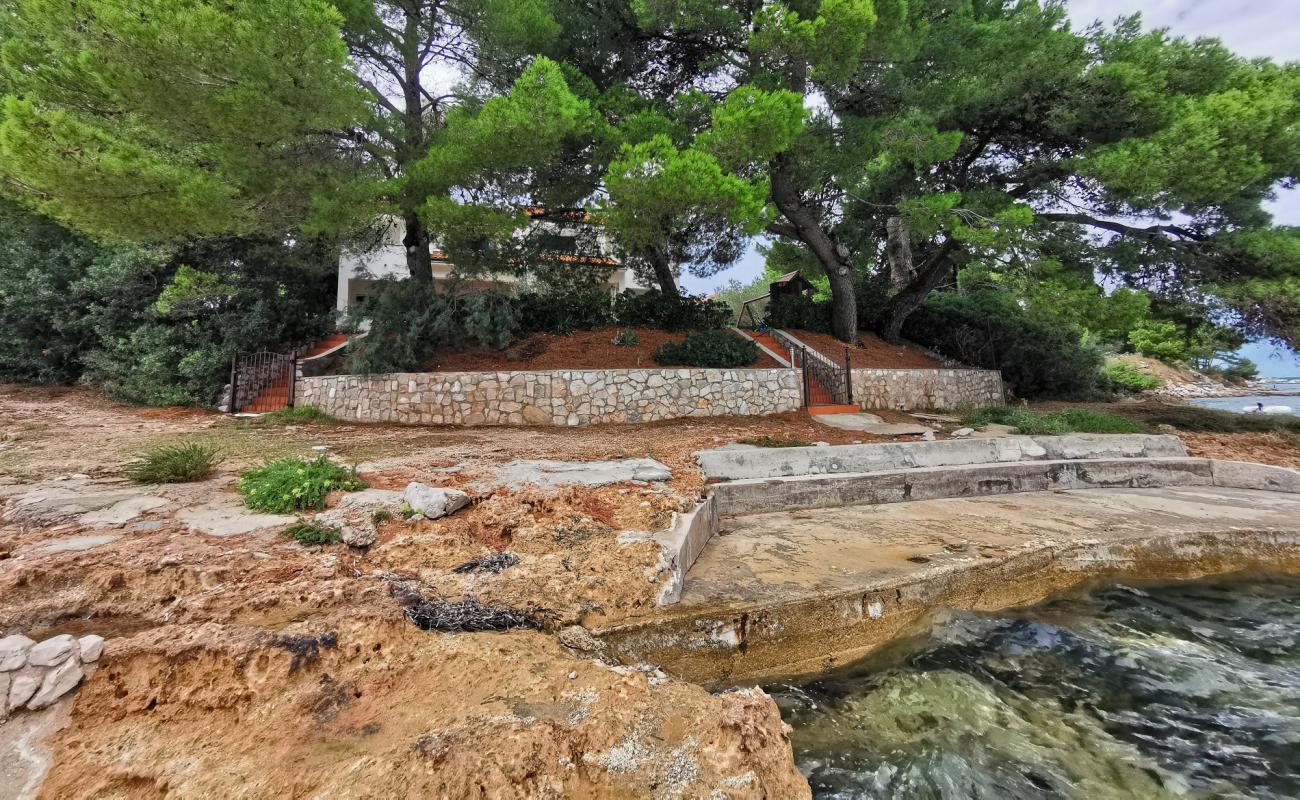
123 511
229 518
781 556
76 544
870 423
548 474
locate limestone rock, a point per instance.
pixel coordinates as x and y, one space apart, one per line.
91 647
432 502
579 638
5 679
357 515
23 685
547 474
962 433
52 651
13 651
58 682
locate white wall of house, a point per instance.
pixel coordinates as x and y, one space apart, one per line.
358 271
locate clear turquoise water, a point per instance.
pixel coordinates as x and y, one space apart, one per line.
1187 690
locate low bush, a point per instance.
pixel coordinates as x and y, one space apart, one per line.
1031 423
669 312
293 484
1128 377
306 533
176 464
297 415
1038 357
569 301
719 349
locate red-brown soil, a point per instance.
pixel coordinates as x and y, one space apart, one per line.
870 352
580 350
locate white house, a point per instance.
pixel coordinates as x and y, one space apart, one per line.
557 232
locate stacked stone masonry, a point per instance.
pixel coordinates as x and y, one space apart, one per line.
584 397
928 389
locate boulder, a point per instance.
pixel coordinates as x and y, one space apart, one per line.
23 685
91 647
52 651
431 502
358 514
58 682
13 651
962 433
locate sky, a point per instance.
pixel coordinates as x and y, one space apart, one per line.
1252 28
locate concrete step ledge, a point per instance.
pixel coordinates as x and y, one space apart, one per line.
744 464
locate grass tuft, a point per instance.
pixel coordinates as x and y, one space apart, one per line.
174 464
1210 420
772 441
297 415
292 484
1031 423
306 533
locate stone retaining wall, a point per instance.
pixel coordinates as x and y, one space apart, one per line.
928 389
571 397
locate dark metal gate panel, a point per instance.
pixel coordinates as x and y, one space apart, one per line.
261 382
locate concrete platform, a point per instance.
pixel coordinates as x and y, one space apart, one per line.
799 592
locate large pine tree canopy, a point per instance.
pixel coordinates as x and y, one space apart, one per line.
890 148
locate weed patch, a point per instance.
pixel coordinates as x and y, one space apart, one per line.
297 415
1031 423
175 464
1191 418
772 441
292 484
307 534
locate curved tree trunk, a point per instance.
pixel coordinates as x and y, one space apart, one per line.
806 226
931 276
415 240
663 271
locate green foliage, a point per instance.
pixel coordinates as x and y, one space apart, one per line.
626 339
292 484
186 118
797 312
309 534
1192 418
174 464
1160 339
1126 376
1031 423
193 288
570 299
1038 358
1240 369
716 348
670 313
410 321
295 415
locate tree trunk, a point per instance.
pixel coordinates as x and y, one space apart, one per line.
807 228
929 278
663 271
898 254
416 241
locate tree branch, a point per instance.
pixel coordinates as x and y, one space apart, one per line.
1159 233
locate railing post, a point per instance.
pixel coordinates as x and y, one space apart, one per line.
293 378
234 383
807 395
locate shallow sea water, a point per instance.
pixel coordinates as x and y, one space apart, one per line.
1185 690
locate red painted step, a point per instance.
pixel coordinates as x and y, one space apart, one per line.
275 395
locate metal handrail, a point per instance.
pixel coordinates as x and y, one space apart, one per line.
836 379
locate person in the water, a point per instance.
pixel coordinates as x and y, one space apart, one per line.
1259 408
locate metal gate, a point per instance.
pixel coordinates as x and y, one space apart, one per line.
261 382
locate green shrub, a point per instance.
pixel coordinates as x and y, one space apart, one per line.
626 339
1126 376
1031 423
176 464
410 322
1037 357
306 533
292 484
798 312
670 312
297 415
570 299
708 349
1160 339
1240 368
